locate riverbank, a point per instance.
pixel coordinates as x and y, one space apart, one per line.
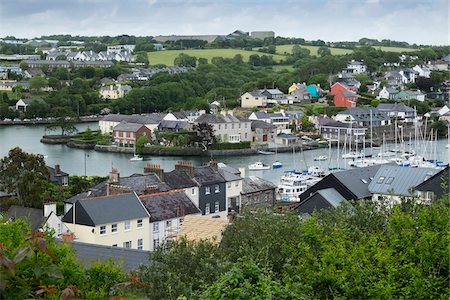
46 121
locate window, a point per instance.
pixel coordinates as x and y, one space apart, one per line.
127 244
59 230
127 225
216 207
155 227
102 230
140 244
207 209
114 245
229 184
114 228
169 223
155 243
389 180
139 223
216 188
381 179
193 191
219 126
239 125
232 125
207 190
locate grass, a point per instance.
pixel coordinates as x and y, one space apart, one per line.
394 49
167 57
287 49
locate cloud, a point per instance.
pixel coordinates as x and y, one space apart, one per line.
414 21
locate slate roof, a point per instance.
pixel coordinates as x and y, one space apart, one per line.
253 184
54 175
391 90
124 126
262 125
256 93
139 119
130 259
262 115
34 216
178 180
139 183
321 199
397 107
29 101
179 115
357 180
209 118
165 124
169 205
397 180
206 175
228 173
332 123
95 191
106 210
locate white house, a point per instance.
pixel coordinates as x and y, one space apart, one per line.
228 128
280 120
253 99
118 221
356 67
234 183
422 71
167 211
110 121
22 104
388 93
114 91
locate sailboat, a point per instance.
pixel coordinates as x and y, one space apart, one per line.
136 157
276 164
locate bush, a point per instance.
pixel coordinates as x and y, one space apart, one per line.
230 146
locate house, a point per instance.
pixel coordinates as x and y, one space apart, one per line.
262 34
120 48
118 221
438 65
22 104
174 126
351 184
286 139
114 91
363 116
422 71
394 78
343 95
314 90
126 134
355 67
342 131
435 186
408 75
349 81
253 99
280 120
319 200
410 95
256 193
298 93
388 93
199 228
392 182
398 111
214 107
151 121
57 176
234 184
167 211
228 128
263 131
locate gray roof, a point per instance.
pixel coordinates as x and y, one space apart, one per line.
397 180
357 180
124 126
229 173
140 119
165 124
34 216
328 122
130 259
262 125
391 90
262 115
29 101
178 180
332 196
106 210
397 107
206 175
95 191
321 199
349 94
165 206
253 184
140 183
209 118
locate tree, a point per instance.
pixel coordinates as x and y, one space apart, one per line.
204 134
307 125
24 66
184 60
440 127
66 125
323 51
202 61
142 58
24 175
37 83
254 60
140 143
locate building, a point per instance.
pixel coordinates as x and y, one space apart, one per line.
151 121
422 71
262 34
167 211
280 120
356 67
120 48
286 139
319 200
114 91
314 90
435 186
126 134
334 130
263 131
410 95
228 128
408 75
388 93
394 79
118 221
234 184
398 111
299 93
173 38
253 99
57 176
364 117
174 126
343 95
200 228
22 104
256 193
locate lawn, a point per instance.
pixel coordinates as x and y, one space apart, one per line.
167 57
394 49
287 49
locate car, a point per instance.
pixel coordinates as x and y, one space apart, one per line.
26 120
7 120
17 120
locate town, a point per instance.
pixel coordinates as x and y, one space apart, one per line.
378 112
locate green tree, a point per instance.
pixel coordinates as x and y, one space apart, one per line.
142 57
184 60
307 125
37 83
204 134
323 51
66 125
140 143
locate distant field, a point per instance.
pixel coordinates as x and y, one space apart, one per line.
167 57
394 49
287 49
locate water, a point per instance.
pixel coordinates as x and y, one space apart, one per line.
90 162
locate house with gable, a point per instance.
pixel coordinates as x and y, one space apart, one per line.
394 78
389 93
363 116
422 71
22 104
253 99
398 111
126 134
114 91
343 95
298 93
234 184
314 90
118 221
228 128
355 67
410 95
108 122
280 120
408 75
263 131
167 211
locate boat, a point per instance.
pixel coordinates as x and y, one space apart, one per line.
277 165
317 171
293 184
352 155
258 166
265 152
136 157
320 158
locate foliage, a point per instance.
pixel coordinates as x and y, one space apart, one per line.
439 126
66 125
229 146
140 143
102 277
307 125
184 60
24 175
38 82
204 134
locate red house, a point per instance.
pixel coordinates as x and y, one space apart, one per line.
126 134
343 95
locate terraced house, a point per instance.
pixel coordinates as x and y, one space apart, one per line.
228 128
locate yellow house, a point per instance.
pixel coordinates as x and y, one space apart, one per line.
253 99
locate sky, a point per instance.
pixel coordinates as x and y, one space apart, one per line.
413 21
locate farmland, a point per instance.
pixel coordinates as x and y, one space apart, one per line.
167 57
394 49
283 49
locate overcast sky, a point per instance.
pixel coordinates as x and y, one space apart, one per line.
414 21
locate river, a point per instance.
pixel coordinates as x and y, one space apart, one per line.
90 162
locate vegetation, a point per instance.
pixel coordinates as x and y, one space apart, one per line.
229 146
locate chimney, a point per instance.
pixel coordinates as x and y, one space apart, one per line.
114 176
151 189
49 208
57 169
213 164
155 169
185 166
242 170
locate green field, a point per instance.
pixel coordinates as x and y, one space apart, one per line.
167 57
287 49
394 49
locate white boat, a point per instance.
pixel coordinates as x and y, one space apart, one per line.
266 152
258 166
317 171
447 146
320 158
387 154
136 157
277 165
293 184
352 155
